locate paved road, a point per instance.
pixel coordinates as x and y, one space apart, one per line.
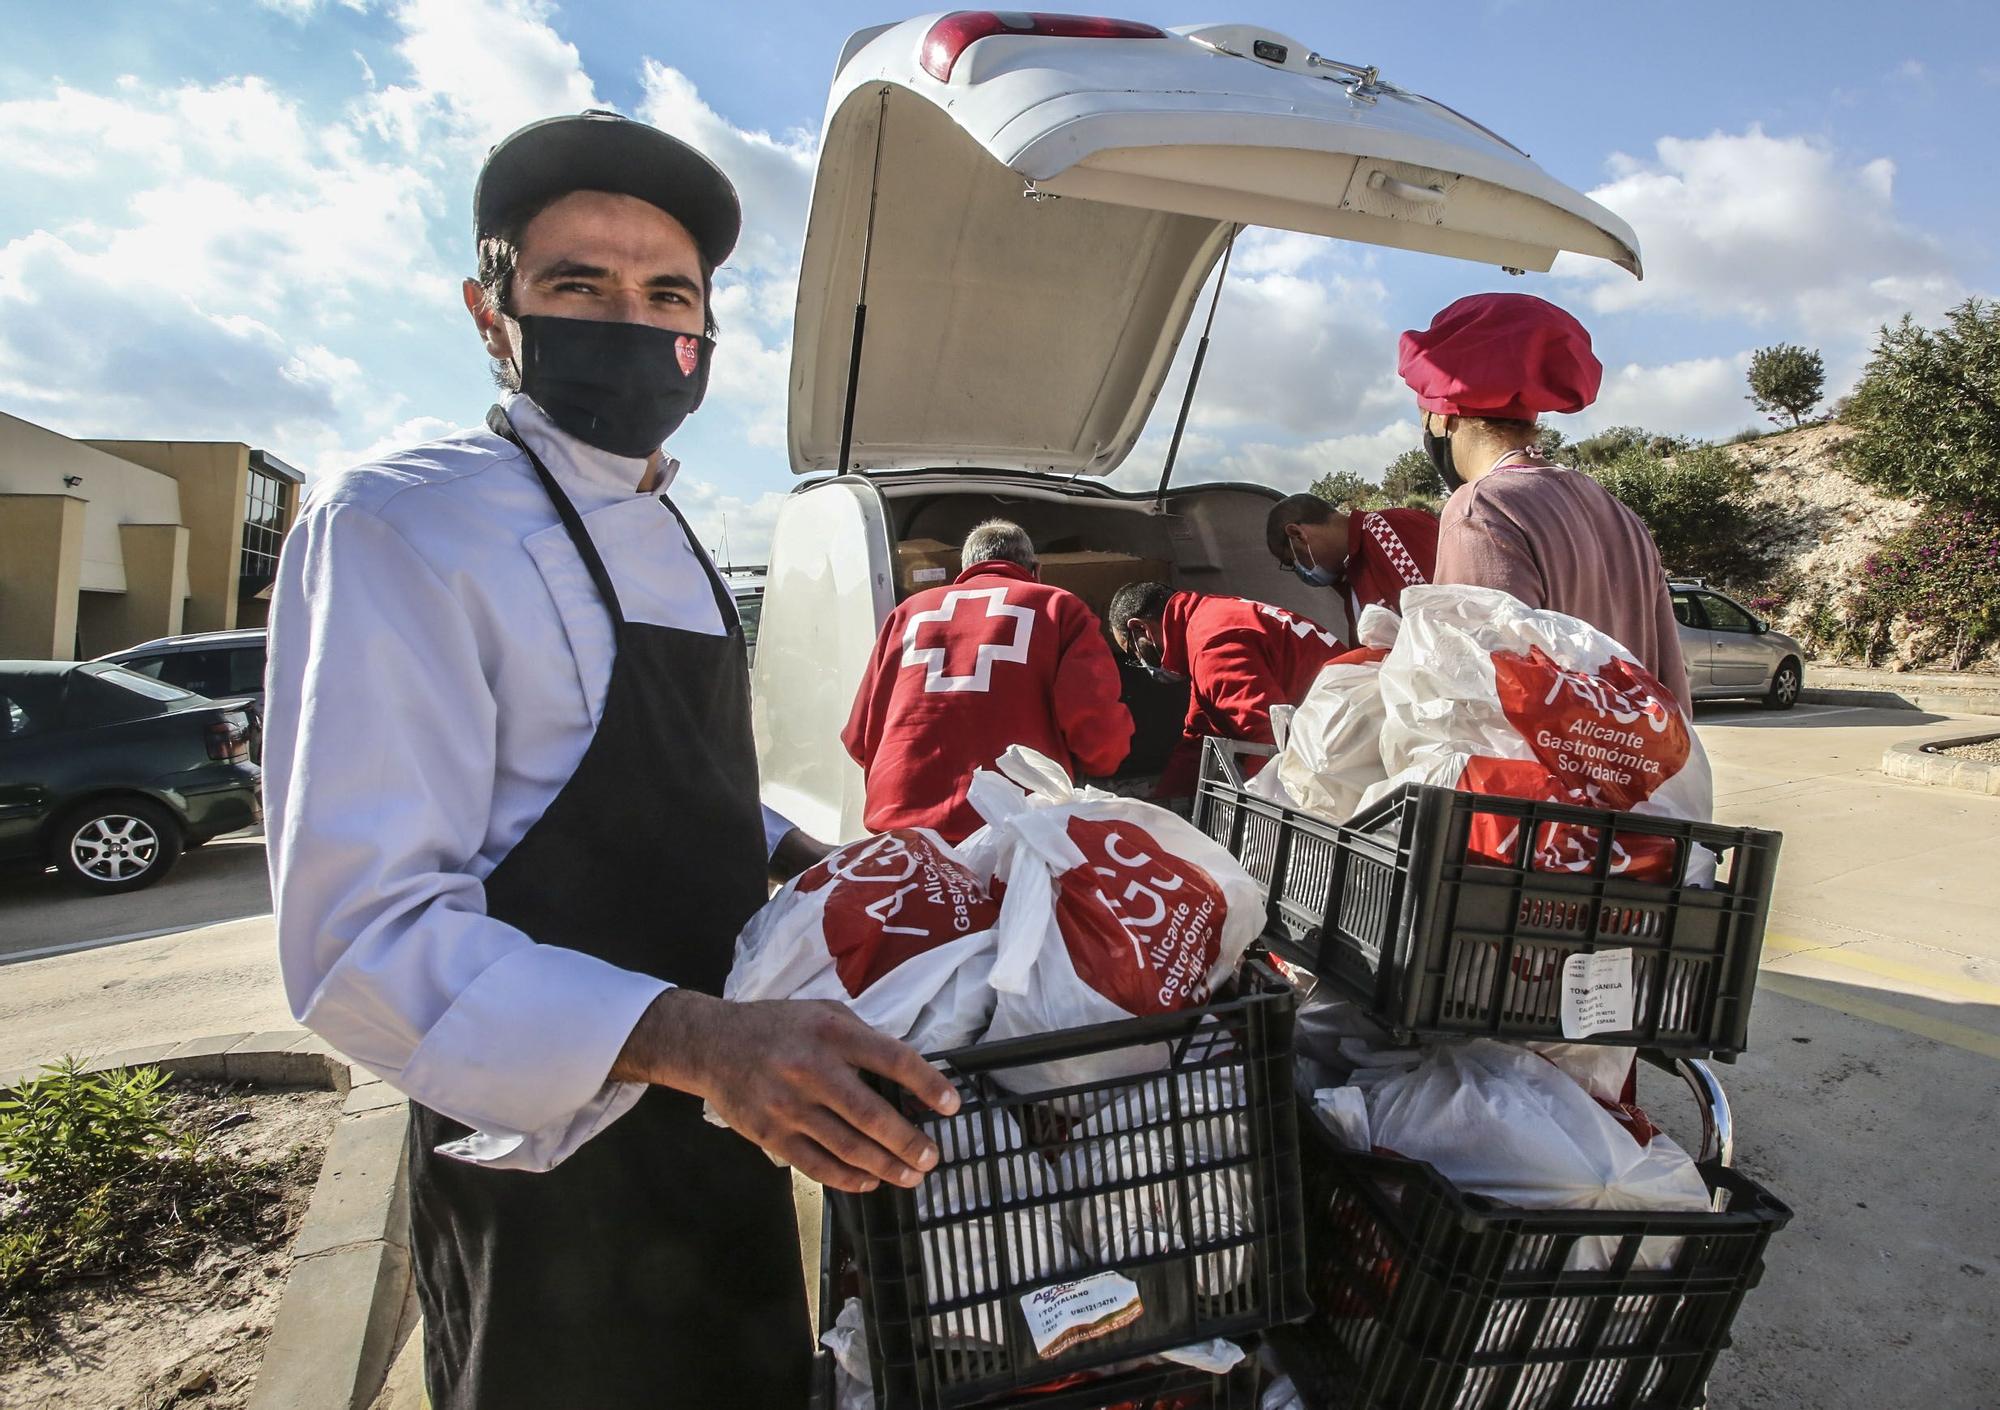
1867 1102
226 880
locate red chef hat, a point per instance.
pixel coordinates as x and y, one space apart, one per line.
1508 356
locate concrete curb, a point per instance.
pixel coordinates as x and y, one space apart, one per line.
1936 702
348 1299
1919 763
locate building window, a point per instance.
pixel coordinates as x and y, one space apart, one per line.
266 507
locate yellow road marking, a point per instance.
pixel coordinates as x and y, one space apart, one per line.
1938 1030
1784 947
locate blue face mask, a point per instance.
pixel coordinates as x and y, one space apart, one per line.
1313 575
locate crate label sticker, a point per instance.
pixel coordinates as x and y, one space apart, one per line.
1064 1315
1597 993
929 575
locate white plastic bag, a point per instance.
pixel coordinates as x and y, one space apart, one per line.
894 926
853 1386
1484 694
1143 1132
1333 754
980 1257
1112 908
1500 1121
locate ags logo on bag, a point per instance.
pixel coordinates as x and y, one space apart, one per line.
894 897
1143 926
1601 739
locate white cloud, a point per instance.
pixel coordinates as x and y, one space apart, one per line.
1768 229
490 65
733 529
1291 352
1699 397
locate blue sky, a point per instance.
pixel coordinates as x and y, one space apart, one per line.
248 220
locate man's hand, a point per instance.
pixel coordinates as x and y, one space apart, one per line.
782 1073
796 851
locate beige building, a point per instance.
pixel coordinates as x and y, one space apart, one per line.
105 544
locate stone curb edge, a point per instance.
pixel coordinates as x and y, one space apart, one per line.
1971 702
343 1310
1917 763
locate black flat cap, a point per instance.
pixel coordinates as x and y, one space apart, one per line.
600 151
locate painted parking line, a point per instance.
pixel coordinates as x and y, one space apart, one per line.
1941 1030
1974 991
1938 1030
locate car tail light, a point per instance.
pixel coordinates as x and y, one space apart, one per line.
229 738
956 32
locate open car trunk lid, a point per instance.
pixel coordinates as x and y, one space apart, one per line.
1036 224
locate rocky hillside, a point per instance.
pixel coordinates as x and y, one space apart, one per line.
1827 522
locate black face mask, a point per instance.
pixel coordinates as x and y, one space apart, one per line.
622 387
1438 448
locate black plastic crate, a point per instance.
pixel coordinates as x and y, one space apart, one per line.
1391 909
1428 1298
1184 1179
1162 1387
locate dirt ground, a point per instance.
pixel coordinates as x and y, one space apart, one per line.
193 1336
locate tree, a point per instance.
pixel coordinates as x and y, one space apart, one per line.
1344 488
1927 410
1411 476
1698 507
1786 378
1607 445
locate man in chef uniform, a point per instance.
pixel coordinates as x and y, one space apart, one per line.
1367 556
1239 657
514 831
1551 536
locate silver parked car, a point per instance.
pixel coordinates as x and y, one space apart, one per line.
1731 652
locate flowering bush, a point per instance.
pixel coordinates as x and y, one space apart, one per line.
1937 580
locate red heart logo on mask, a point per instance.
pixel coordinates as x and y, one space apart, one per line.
687 352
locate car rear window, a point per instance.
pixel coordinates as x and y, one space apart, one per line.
142 685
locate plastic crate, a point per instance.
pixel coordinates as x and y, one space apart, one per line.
1203 1150
1148 1388
1390 910
1431 1299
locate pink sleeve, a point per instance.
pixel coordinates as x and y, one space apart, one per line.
1480 547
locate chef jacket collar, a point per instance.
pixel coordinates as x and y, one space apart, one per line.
568 458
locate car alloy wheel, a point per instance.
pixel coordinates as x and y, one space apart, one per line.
115 848
1785 686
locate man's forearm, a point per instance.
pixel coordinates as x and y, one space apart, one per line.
666 1044
796 851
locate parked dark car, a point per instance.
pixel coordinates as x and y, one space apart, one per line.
221 665
109 775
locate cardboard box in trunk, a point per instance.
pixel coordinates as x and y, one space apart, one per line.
1095 576
924 563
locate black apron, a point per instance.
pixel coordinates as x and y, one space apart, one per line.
658 1266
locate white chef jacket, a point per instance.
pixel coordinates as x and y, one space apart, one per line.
438 663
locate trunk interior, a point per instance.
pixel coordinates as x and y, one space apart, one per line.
1208 538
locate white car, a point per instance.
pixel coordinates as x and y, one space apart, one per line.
1012 223
1731 652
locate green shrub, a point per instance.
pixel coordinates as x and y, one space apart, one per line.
1927 411
98 1175
1699 510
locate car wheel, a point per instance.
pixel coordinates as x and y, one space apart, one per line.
120 845
1785 684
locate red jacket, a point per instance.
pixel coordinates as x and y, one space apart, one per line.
1242 658
960 673
1387 551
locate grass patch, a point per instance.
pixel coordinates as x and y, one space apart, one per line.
108 1174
